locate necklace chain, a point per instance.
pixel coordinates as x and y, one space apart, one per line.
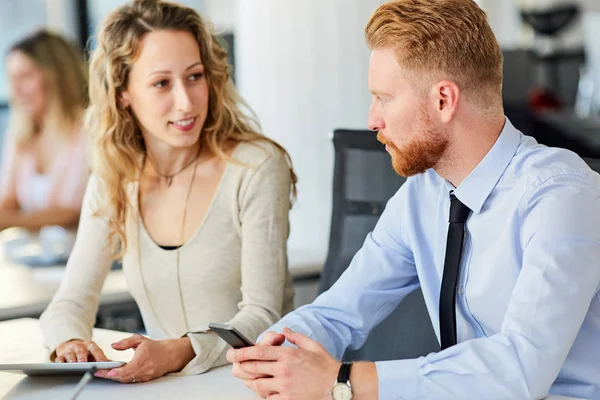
170 177
177 250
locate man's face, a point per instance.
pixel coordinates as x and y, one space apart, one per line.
401 116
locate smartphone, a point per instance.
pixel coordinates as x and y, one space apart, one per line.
230 335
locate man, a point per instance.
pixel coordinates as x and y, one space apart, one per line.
502 235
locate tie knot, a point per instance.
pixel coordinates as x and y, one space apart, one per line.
458 211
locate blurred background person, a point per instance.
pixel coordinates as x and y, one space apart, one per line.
44 170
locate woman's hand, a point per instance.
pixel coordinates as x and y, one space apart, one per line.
79 351
152 359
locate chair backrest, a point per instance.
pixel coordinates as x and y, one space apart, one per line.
363 181
593 163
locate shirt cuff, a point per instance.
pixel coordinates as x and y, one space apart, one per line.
398 379
58 334
210 352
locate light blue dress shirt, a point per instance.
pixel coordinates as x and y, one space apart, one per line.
528 308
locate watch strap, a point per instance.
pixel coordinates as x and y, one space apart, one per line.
344 374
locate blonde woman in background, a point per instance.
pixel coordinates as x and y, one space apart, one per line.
185 189
44 171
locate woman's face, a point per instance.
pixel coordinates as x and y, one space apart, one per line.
27 84
167 89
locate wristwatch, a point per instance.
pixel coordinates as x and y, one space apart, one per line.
342 390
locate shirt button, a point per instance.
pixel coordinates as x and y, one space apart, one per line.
461 291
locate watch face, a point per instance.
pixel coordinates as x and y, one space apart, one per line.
341 391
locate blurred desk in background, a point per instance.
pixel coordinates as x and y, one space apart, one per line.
584 131
25 291
306 264
564 129
305 267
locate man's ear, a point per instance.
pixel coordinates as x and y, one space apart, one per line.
446 94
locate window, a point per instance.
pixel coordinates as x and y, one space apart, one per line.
17 19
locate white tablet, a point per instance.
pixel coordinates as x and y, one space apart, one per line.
51 368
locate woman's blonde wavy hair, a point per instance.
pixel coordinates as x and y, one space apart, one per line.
65 73
117 144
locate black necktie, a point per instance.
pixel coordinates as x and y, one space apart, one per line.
454 245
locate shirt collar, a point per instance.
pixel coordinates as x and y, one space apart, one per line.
477 186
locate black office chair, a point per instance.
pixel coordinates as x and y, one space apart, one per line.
593 163
363 181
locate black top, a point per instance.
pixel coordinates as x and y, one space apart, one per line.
170 247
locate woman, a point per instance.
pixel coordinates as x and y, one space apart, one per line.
185 189
44 167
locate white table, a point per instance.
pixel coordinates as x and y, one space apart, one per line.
21 341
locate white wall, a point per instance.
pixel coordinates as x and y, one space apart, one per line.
302 66
61 17
505 22
17 19
221 13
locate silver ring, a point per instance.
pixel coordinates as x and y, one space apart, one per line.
133 379
90 347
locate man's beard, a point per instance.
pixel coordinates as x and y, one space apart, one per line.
420 154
